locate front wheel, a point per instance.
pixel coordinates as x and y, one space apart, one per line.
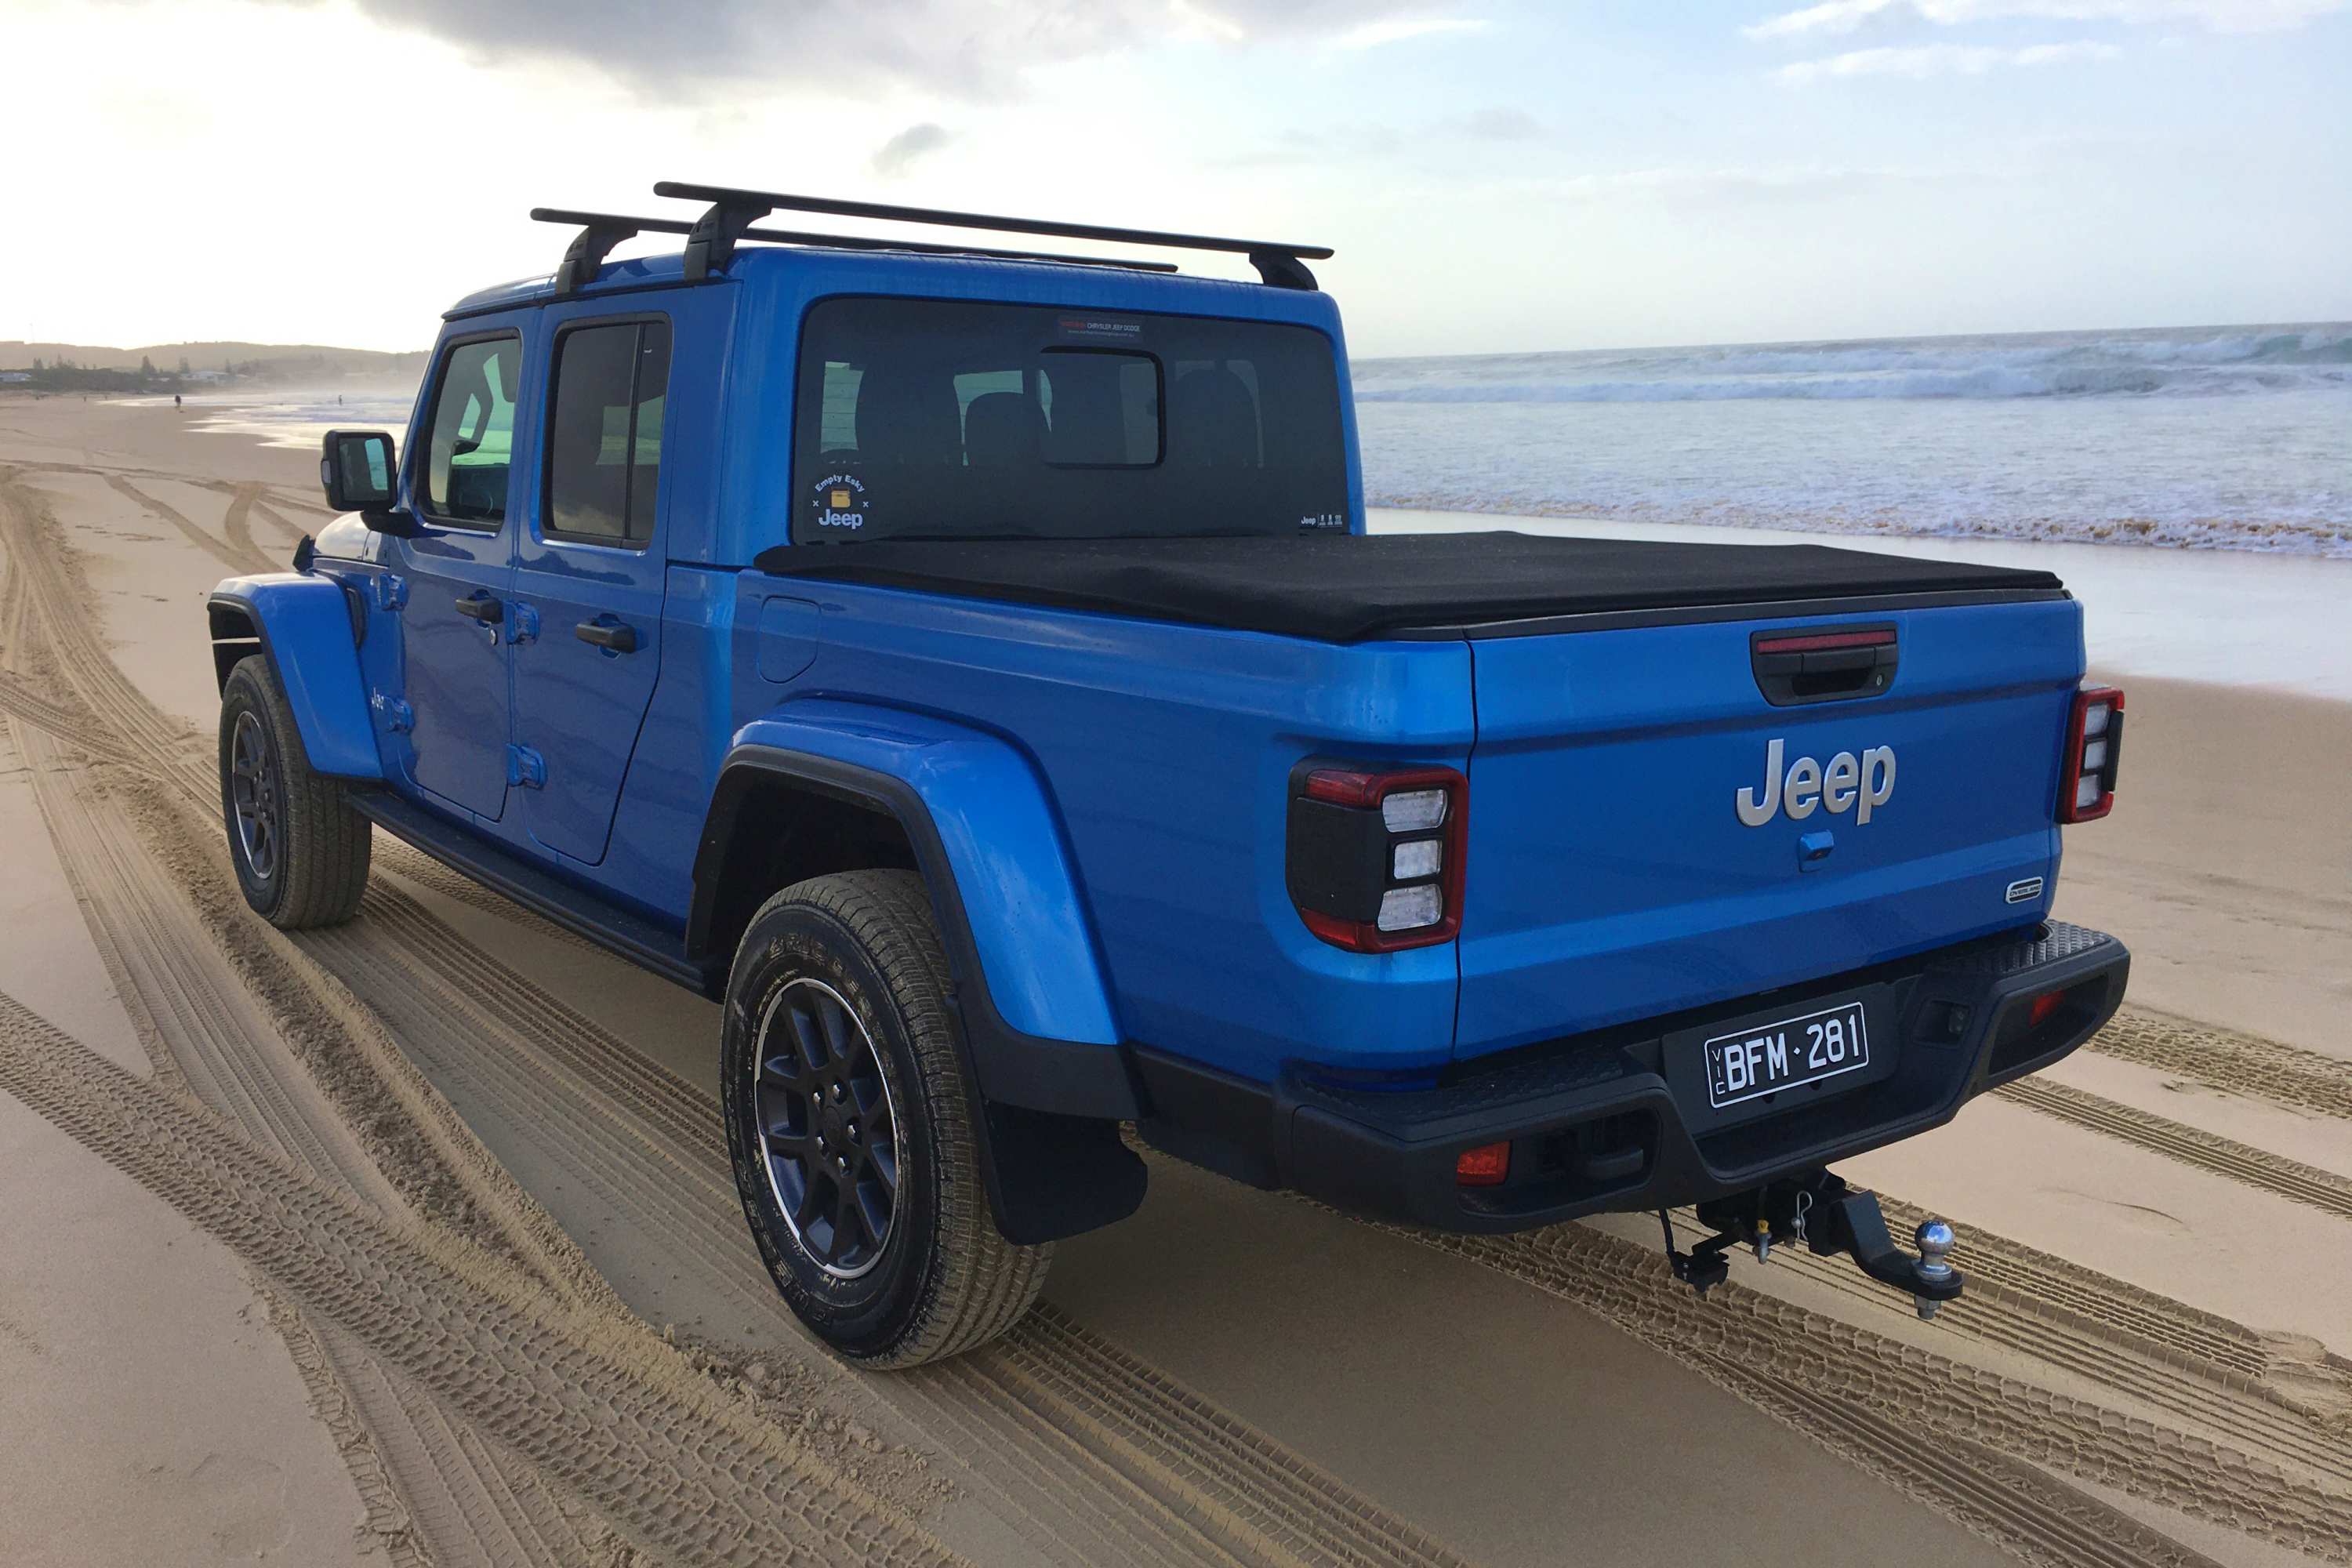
301 853
851 1128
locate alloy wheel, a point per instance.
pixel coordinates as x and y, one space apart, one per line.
828 1131
255 793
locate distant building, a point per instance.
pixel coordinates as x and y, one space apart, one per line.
14 377
208 375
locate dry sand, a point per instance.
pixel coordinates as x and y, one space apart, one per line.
475 1165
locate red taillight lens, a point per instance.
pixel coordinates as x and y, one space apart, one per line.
2094 739
1488 1165
1375 856
2049 1001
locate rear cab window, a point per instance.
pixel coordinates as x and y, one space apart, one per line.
470 445
945 419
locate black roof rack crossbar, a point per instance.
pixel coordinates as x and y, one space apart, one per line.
602 231
732 212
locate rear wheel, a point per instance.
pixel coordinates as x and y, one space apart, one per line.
850 1126
301 853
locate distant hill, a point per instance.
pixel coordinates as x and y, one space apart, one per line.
255 361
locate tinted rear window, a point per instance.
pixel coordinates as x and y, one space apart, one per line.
940 419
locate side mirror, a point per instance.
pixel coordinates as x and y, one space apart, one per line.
357 470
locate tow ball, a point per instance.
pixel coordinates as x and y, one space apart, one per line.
1828 1217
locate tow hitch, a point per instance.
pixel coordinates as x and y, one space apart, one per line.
1821 1211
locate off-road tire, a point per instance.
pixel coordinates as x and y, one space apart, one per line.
320 865
943 1279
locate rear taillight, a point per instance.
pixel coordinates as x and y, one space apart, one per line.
1375 853
2094 738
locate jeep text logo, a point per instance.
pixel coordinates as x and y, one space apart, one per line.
1844 784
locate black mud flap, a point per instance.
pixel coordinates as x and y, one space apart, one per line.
1051 1176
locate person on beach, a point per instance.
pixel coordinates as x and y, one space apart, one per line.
175 400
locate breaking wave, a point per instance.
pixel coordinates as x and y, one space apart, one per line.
2175 363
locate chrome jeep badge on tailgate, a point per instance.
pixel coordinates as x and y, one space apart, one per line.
1843 785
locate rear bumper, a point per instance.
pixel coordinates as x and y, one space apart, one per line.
1605 1122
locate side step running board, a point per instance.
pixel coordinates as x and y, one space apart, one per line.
606 924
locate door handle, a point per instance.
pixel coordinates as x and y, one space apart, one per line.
483 608
609 636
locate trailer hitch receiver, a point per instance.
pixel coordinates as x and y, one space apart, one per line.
1821 1211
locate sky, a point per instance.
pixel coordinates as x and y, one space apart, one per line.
1497 175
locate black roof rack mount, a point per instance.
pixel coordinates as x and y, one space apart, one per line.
601 231
710 243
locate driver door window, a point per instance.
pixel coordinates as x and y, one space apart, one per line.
469 451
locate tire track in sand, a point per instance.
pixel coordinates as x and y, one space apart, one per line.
1127 1504
237 528
1924 1402
47 622
1115 1461
2232 1062
431 1491
66 725
212 544
2242 1162
426 1149
293 530
453 1501
2218 1374
192 1015
608 1410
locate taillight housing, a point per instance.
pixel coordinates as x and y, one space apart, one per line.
1375 853
2094 740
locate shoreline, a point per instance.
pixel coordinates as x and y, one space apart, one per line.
2149 611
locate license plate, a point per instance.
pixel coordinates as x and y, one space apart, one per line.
1766 1057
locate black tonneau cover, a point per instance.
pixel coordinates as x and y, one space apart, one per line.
1350 587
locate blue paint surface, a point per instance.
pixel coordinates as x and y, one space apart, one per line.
1111 793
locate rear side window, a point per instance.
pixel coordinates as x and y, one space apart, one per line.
604 432
944 419
471 449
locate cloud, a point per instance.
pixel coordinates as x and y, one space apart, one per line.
898 154
698 49
1737 181
1845 16
1498 125
1363 142
1940 59
1372 35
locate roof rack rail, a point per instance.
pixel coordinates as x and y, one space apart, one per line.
602 231
711 245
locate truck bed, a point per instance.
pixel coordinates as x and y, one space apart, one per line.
1353 587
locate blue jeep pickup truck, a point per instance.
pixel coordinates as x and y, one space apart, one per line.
971 666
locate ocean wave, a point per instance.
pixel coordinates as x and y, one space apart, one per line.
2195 363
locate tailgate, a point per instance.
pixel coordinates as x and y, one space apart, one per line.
1613 874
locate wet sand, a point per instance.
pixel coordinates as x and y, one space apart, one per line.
2143 1374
